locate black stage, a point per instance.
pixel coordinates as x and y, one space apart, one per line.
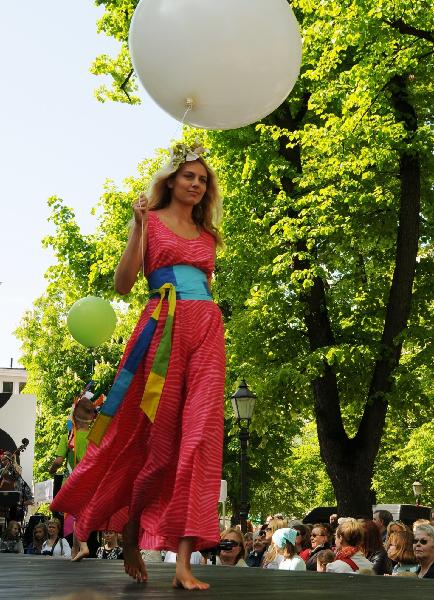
37 577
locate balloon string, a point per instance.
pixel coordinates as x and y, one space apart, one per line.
185 114
142 242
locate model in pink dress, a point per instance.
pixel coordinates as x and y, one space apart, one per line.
153 471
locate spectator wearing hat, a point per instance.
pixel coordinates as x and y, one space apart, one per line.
284 539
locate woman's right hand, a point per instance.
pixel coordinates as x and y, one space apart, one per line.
140 209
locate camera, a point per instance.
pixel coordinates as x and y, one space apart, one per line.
227 545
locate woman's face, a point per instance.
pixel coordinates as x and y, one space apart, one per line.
318 537
423 546
53 529
39 533
15 529
109 537
394 529
230 556
269 532
189 184
298 539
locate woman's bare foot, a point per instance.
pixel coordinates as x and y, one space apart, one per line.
185 579
82 552
133 561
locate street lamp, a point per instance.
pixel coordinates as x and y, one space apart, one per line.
243 403
417 491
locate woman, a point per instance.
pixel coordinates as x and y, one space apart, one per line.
55 544
374 550
302 541
153 464
284 539
320 539
349 557
272 558
110 549
40 534
423 545
11 540
232 550
400 551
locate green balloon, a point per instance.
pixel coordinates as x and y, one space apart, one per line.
91 321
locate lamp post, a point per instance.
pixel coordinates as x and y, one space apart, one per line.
417 491
243 403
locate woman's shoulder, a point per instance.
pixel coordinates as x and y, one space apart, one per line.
241 563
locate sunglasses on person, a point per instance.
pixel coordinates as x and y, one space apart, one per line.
422 541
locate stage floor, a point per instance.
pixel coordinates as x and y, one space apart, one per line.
40 577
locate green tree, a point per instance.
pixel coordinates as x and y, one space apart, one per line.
325 282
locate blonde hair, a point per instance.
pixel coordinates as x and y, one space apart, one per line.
206 214
351 532
273 551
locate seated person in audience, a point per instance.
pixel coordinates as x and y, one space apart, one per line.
284 539
320 539
55 545
302 542
272 558
232 551
40 535
254 557
423 545
374 550
349 557
400 551
323 558
111 548
382 518
11 542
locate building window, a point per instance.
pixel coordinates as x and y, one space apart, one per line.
21 386
8 387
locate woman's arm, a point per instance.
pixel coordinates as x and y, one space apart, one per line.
133 255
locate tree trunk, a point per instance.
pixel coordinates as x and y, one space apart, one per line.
350 462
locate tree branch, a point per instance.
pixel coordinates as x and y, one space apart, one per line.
123 86
410 30
400 295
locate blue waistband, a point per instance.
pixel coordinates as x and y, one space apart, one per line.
190 283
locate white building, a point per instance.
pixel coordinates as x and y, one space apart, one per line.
12 381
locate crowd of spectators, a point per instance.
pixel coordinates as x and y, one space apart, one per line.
378 546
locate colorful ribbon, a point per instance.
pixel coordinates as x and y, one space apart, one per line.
182 282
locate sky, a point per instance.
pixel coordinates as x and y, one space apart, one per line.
56 139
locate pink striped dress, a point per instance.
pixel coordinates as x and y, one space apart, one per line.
165 474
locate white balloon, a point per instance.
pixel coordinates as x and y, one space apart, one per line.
232 61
